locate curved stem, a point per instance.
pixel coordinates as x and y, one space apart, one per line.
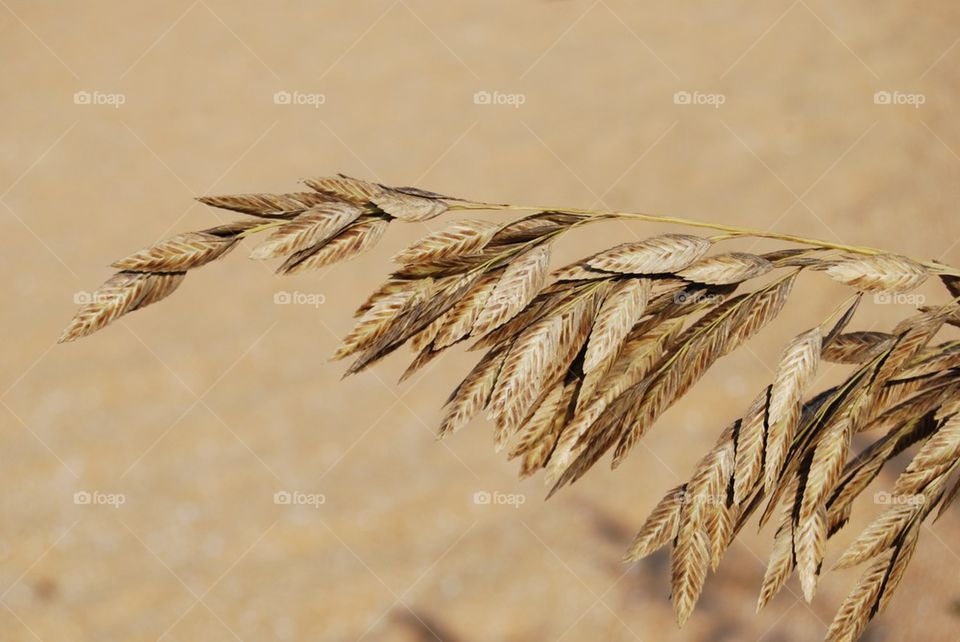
730 230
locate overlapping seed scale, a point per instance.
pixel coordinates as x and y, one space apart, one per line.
656 255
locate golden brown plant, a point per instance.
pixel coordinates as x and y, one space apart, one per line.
585 360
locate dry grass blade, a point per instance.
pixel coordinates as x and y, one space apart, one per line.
656 255
880 273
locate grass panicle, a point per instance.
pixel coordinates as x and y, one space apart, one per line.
584 360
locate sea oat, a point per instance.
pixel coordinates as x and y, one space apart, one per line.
586 360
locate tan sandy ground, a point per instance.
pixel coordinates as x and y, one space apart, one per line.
198 410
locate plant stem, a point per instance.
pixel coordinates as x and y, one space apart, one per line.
731 230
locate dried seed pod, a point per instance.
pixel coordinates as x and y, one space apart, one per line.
656 255
347 244
121 294
725 269
345 188
409 207
879 273
459 238
268 205
178 253
521 280
308 229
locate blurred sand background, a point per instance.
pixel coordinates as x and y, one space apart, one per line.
200 409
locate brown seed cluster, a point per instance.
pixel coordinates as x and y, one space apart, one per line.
583 361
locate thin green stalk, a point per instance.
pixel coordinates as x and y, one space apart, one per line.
729 230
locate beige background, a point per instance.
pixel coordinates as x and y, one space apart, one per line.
200 409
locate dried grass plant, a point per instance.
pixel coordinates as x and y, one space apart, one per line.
584 360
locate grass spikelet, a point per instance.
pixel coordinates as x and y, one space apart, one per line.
880 273
622 308
520 282
725 269
656 255
307 229
794 373
347 244
124 292
268 205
